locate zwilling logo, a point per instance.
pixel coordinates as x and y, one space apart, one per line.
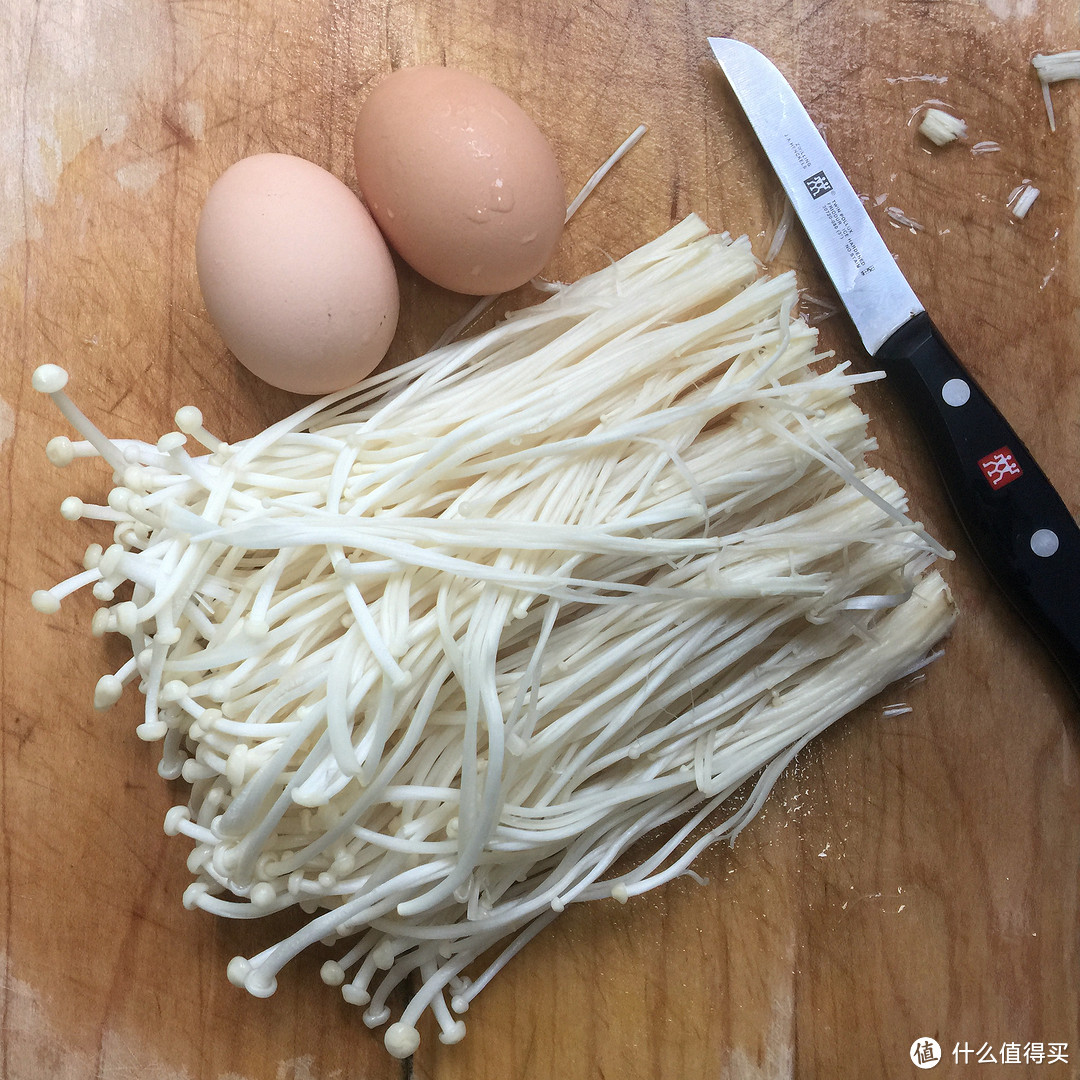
1000 468
818 185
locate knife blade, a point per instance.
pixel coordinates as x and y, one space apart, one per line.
1017 522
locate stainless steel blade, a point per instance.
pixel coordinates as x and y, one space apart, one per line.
863 271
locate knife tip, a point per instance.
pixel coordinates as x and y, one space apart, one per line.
725 48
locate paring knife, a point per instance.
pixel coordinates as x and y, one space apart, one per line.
1016 521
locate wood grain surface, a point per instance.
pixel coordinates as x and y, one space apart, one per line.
914 875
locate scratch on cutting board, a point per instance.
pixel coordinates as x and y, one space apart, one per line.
1005 9
772 1055
35 1047
140 176
918 78
193 118
7 422
303 1068
126 1059
71 72
778 1060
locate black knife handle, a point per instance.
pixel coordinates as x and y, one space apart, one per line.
1015 519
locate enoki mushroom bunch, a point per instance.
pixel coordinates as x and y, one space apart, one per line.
435 652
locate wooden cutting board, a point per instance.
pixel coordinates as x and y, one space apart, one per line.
912 875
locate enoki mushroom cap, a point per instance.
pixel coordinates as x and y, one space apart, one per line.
49 379
402 1040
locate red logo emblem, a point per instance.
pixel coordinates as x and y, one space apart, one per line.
1000 468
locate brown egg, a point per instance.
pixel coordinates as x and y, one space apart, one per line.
461 181
295 274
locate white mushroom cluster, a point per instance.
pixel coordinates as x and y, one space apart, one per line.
434 653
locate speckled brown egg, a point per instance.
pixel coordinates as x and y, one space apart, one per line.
462 182
295 274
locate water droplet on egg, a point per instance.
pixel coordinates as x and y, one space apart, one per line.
501 197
